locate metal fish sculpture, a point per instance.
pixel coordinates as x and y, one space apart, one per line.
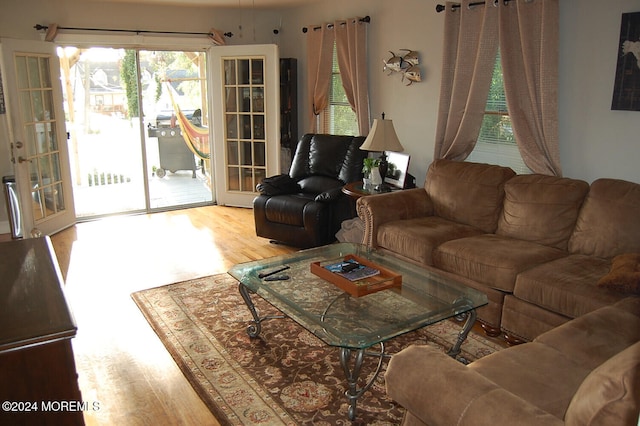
412 74
411 57
394 64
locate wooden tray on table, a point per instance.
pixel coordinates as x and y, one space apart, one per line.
381 281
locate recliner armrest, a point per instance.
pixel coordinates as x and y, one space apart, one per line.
279 184
330 195
375 210
442 391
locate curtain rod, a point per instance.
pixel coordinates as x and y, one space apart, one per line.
366 19
441 7
209 34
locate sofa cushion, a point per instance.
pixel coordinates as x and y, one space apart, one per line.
536 373
592 339
468 193
492 259
541 209
610 395
416 238
567 285
624 275
608 222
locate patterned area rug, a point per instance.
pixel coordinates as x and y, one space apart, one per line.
286 375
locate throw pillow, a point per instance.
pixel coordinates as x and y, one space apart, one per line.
624 274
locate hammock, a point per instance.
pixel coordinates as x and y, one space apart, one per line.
196 137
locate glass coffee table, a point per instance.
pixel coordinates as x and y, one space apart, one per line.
355 324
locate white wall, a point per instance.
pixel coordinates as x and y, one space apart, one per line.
594 141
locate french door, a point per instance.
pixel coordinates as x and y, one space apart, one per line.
38 137
246 120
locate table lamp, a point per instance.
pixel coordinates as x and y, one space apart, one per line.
382 137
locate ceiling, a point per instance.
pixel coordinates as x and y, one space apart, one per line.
257 4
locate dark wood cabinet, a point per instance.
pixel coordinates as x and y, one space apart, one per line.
289 103
38 378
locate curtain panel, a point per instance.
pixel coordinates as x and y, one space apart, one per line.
470 48
529 46
527 33
351 49
319 60
350 38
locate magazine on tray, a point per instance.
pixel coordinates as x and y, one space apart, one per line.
352 270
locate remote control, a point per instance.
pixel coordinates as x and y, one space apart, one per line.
277 278
350 267
265 274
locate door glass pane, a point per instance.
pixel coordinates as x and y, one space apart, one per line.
259 158
257 71
231 104
243 71
21 72
232 153
45 74
33 71
258 99
233 178
245 127
258 127
41 147
230 72
246 124
59 197
245 153
25 106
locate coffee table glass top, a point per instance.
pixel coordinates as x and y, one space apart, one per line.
342 320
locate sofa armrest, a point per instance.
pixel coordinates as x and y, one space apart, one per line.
439 390
375 210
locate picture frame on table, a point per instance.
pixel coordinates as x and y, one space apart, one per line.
398 167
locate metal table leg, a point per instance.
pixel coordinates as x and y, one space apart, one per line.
253 330
352 374
462 336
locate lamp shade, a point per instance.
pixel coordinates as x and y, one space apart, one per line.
382 137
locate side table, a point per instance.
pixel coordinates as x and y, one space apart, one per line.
352 230
356 190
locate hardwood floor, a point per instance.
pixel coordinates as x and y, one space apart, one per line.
122 365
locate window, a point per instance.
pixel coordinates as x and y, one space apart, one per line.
496 141
338 118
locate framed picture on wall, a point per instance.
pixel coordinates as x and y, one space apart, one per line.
626 91
397 171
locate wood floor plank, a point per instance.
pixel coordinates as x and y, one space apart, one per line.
121 363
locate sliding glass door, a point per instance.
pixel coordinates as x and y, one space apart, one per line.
138 126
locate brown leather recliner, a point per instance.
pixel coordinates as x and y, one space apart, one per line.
306 207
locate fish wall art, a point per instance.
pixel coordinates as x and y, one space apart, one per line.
406 65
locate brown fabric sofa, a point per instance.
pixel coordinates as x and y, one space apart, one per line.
585 372
536 245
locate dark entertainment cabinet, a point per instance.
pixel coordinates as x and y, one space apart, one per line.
288 103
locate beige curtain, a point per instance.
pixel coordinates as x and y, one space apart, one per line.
351 48
529 49
319 59
470 49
